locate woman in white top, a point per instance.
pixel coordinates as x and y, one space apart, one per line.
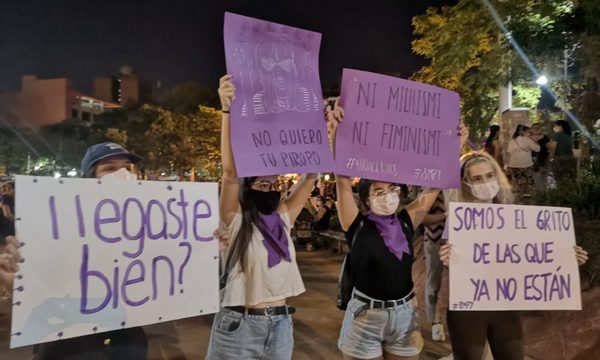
260 270
520 162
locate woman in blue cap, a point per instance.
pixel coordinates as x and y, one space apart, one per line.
102 161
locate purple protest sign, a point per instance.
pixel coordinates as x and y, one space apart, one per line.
398 130
277 123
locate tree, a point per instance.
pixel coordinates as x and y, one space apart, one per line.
470 55
187 97
180 141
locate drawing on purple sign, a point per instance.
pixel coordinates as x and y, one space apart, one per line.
277 119
398 130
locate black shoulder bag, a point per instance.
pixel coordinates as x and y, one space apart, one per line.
346 280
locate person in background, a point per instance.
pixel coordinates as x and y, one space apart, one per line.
102 161
520 161
322 214
316 190
260 271
7 211
9 260
434 223
492 144
483 181
541 159
561 149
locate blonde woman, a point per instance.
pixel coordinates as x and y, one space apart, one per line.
484 182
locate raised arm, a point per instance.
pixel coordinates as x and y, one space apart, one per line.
431 219
347 209
229 203
418 209
300 193
346 206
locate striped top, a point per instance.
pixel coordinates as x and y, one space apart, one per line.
434 232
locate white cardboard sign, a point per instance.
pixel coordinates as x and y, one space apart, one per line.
512 257
106 255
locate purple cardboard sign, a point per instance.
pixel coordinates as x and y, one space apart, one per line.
397 130
277 123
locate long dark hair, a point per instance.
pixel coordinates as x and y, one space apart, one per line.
494 130
520 128
239 249
566 128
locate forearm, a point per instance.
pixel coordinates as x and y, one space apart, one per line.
346 206
228 163
300 193
431 219
421 206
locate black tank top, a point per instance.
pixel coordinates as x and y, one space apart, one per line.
377 272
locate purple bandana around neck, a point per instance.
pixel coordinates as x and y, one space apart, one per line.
275 239
390 230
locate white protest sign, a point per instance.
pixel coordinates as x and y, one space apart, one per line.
512 257
105 255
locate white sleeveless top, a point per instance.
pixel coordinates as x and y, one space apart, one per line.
259 283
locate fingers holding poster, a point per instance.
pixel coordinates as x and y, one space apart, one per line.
277 121
397 130
512 257
105 255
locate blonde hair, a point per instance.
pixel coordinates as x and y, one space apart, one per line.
504 196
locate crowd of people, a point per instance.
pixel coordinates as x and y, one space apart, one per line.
259 271
531 159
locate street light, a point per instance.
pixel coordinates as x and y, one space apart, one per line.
542 80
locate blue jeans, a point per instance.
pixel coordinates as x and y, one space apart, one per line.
240 336
393 330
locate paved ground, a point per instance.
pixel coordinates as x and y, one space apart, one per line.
559 335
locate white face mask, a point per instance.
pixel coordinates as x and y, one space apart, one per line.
557 129
122 175
385 205
486 191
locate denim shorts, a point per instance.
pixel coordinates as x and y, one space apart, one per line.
239 336
393 330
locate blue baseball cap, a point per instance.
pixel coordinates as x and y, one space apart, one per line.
102 151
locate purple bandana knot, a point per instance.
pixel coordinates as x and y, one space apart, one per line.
275 238
390 230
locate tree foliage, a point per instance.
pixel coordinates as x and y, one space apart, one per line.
469 54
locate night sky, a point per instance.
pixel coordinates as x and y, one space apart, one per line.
172 41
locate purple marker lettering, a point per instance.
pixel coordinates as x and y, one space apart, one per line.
80 221
481 253
185 261
130 281
183 205
115 287
499 212
507 288
458 217
53 218
163 220
98 220
174 235
84 276
197 216
154 275
139 236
